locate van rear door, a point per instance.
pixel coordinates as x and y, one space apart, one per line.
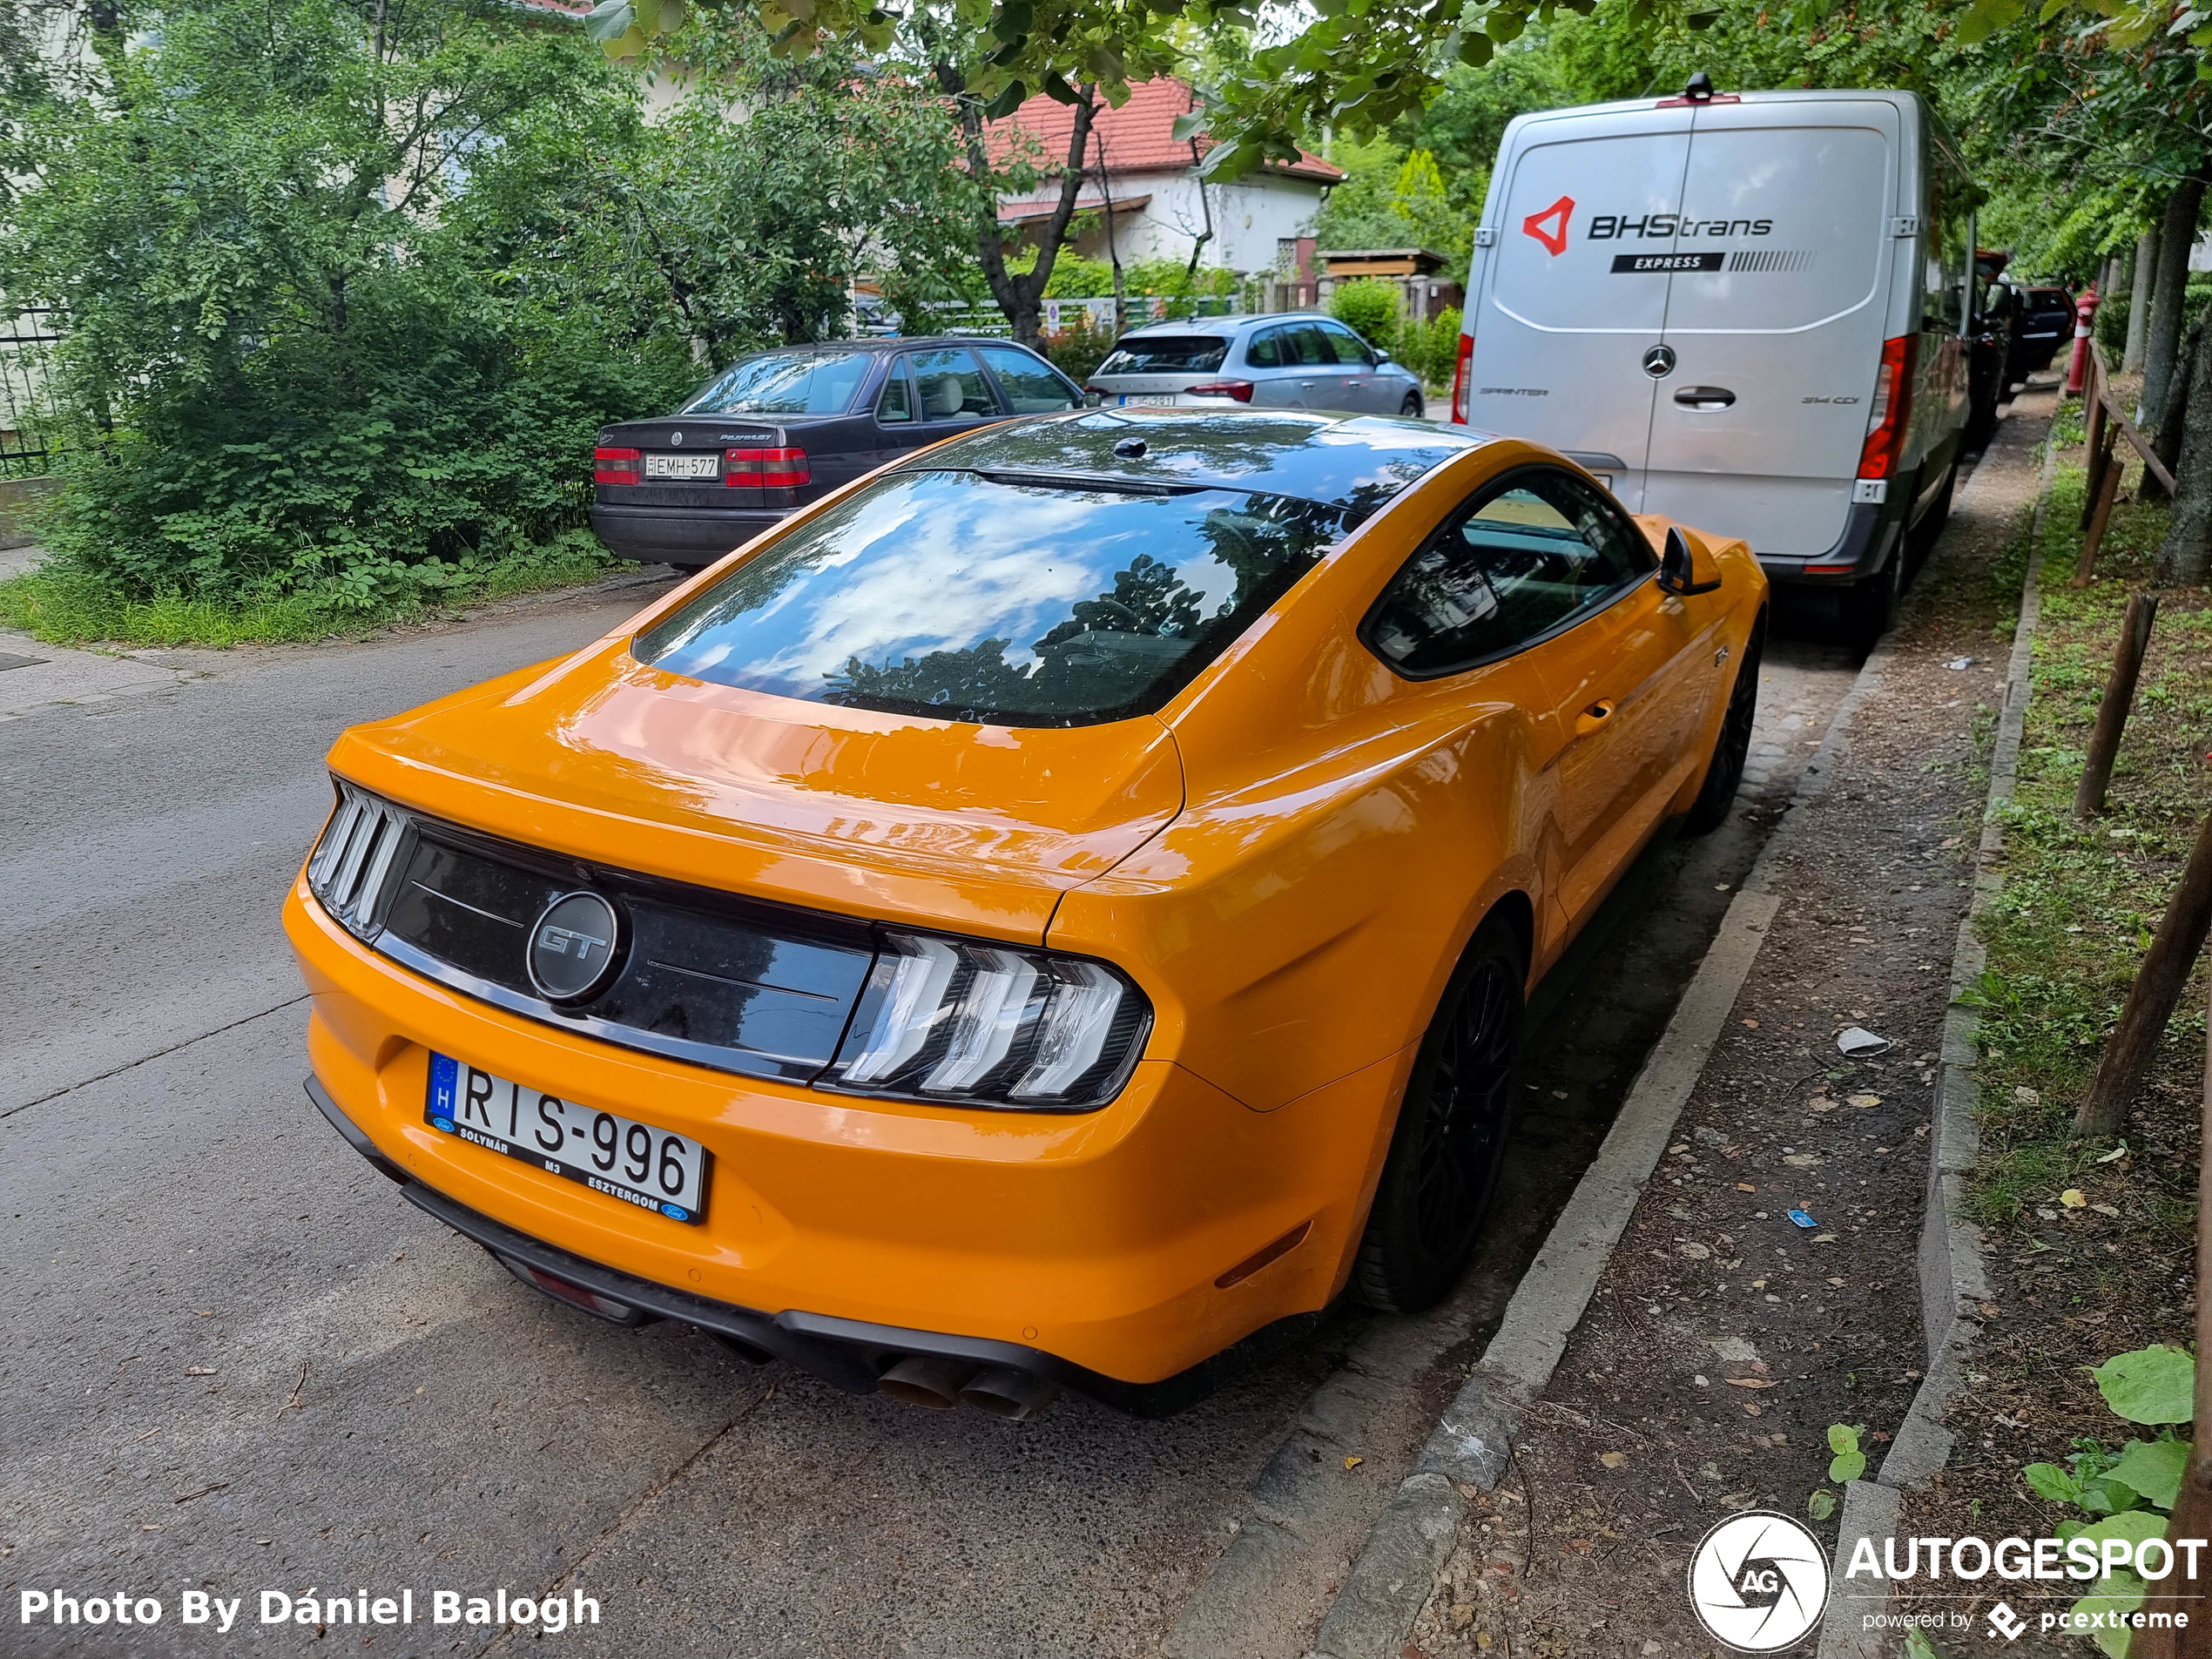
1560 341
1777 321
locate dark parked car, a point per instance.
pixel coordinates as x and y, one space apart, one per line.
2042 320
781 429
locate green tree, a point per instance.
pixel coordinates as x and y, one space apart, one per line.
284 369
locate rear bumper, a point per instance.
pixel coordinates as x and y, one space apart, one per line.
1086 1248
847 1353
1871 535
679 535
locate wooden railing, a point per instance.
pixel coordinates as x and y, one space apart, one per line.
2107 423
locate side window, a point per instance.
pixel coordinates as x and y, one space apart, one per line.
1949 260
894 405
1265 349
1030 387
1532 553
950 384
1351 351
1312 348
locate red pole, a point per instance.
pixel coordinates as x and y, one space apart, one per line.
2084 311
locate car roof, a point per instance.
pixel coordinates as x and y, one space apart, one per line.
1221 325
1356 462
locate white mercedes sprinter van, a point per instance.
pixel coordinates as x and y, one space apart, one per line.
1750 313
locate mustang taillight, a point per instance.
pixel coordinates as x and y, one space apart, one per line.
1461 391
614 466
991 1025
767 468
1893 404
1241 390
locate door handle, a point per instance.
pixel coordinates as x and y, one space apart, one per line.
1593 717
1704 397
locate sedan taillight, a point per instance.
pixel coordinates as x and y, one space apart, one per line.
765 469
614 466
1241 390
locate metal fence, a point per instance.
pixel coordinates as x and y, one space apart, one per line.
28 445
955 317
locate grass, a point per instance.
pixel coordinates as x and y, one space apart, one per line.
2080 900
66 605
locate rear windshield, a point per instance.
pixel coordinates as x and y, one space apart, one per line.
1167 355
784 383
963 595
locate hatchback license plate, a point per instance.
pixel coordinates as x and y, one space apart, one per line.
654 1168
683 466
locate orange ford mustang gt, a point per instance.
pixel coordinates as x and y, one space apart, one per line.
1040 914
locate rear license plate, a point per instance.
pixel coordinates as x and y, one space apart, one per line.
654 1168
683 466
1148 399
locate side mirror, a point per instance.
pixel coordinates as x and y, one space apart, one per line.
1685 569
1381 356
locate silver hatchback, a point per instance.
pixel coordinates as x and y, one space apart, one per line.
1300 360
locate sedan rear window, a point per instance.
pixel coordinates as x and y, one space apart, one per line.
1167 355
785 383
997 598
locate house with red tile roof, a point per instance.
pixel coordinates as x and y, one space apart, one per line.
1143 180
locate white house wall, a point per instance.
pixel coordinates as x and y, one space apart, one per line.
1249 218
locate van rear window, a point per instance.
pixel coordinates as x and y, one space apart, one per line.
1795 214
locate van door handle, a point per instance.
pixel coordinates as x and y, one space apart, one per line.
1593 717
1704 397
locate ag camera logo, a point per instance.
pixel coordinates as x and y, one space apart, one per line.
1758 1582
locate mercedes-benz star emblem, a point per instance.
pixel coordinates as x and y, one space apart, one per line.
573 946
1659 362
1758 1581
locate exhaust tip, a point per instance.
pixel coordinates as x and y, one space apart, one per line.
1004 1392
927 1379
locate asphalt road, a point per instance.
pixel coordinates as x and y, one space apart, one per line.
232 1360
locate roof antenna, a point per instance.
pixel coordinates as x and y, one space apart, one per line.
1700 90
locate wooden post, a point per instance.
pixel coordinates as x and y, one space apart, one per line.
2150 1001
2100 516
2178 1592
2093 401
2119 699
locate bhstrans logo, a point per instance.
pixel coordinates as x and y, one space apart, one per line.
1555 238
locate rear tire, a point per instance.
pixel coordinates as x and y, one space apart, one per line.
1869 608
1724 776
1442 1172
1411 408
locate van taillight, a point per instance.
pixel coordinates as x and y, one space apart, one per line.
614 466
1892 404
1461 391
767 468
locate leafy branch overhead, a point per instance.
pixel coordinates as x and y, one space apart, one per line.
1353 66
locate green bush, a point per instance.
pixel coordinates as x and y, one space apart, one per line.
1431 349
1077 351
1369 308
2111 326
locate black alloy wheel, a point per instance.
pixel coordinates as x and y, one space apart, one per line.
1731 749
1444 1155
1411 408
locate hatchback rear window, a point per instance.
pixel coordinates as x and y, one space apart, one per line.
785 383
996 598
1167 355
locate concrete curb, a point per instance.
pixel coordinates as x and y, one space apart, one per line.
1953 1283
